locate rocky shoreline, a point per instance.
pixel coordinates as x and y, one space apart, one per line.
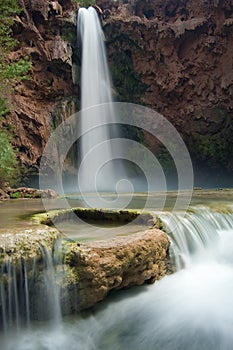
25 192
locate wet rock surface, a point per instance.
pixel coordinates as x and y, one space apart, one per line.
118 263
25 245
95 268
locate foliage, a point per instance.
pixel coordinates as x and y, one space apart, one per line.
7 159
68 33
10 72
15 195
126 80
15 70
212 148
3 107
8 9
85 3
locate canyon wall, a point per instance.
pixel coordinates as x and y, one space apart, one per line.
45 31
176 57
173 56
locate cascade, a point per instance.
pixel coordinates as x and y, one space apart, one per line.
96 145
190 309
195 235
28 290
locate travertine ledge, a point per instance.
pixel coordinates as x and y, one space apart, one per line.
86 272
117 263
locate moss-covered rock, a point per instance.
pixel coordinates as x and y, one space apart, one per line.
27 192
123 216
26 244
84 273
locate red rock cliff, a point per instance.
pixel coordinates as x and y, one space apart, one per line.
44 33
172 55
176 57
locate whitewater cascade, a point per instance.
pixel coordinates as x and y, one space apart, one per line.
190 309
197 236
96 153
29 290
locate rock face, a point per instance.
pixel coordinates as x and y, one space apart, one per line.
176 57
44 33
173 56
26 192
3 195
117 263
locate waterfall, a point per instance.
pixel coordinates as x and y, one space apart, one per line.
194 236
96 147
29 290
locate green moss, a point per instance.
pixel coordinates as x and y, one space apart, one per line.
126 80
16 195
160 225
68 33
30 195
27 246
70 251
66 277
89 214
212 148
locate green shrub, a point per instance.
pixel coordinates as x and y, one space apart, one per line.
7 159
85 3
15 195
10 71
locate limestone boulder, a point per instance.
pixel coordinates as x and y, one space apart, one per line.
117 263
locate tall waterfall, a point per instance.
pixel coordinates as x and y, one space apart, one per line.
96 154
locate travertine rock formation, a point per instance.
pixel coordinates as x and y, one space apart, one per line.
117 263
87 272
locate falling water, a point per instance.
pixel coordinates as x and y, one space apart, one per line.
194 237
28 290
96 154
190 309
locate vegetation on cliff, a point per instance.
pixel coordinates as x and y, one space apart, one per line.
7 159
9 73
